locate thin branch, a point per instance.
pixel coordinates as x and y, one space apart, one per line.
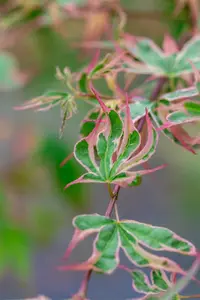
112 201
84 284
116 212
158 88
111 205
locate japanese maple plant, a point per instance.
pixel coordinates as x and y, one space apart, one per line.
119 135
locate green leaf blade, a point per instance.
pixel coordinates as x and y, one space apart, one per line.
160 280
192 108
83 83
132 144
107 245
141 283
116 130
180 94
87 222
148 52
128 243
158 238
83 156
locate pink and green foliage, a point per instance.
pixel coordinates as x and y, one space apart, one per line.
119 134
118 149
133 238
160 285
169 62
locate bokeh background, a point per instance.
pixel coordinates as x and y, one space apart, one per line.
35 211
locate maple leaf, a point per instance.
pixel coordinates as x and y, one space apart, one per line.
134 238
169 62
113 147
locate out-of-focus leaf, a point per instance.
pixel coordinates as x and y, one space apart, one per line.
8 71
46 101
52 152
180 24
14 243
157 62
167 115
65 2
44 224
181 94
182 283
83 83
192 108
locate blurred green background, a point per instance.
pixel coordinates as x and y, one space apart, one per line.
35 211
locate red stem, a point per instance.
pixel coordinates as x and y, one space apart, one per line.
86 279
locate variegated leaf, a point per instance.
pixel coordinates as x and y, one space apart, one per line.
131 236
88 124
112 147
141 283
181 94
163 63
160 280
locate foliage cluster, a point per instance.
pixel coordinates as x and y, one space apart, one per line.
121 133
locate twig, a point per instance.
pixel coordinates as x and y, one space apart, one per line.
86 279
158 88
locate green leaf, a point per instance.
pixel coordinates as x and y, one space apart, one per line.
146 152
193 108
83 83
87 222
116 127
167 132
91 177
178 117
160 280
132 144
109 152
141 282
127 244
87 128
180 94
51 152
138 108
101 146
148 52
82 155
113 235
100 66
107 245
190 50
8 71
88 125
158 238
137 181
155 61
